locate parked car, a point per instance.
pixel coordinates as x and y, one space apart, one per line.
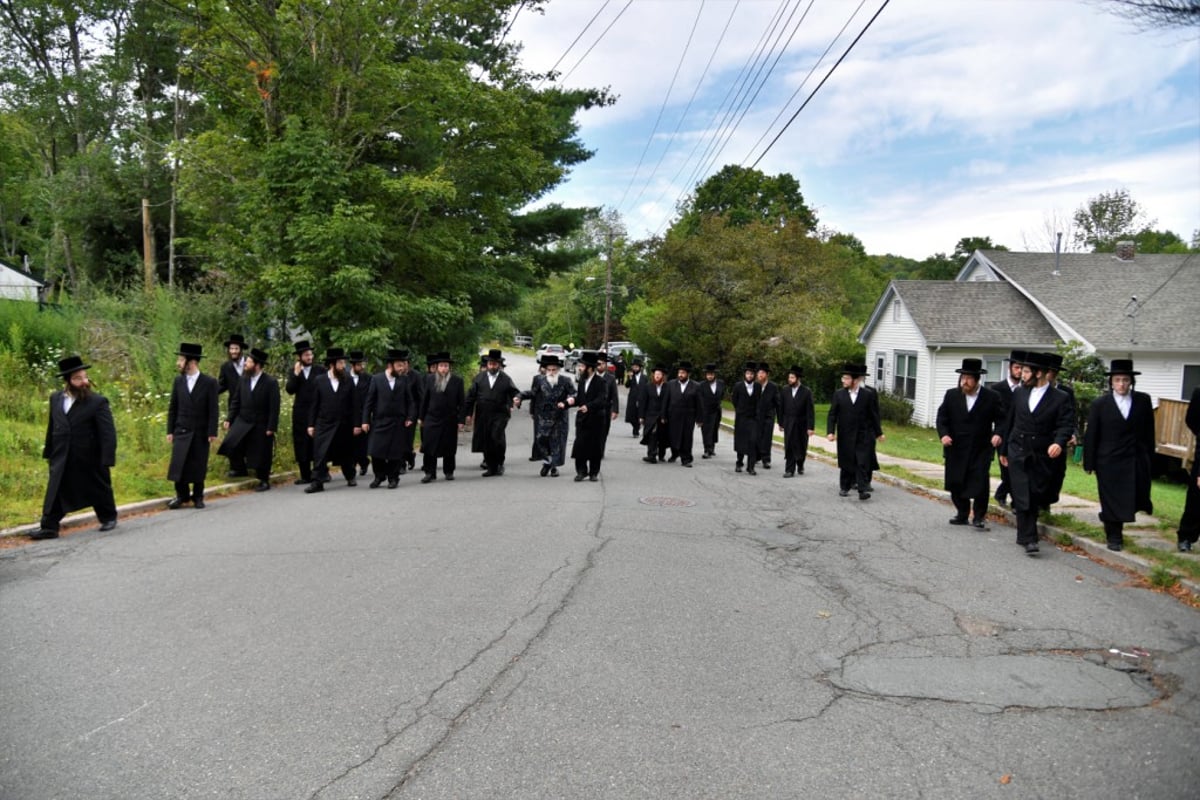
572 359
615 349
547 349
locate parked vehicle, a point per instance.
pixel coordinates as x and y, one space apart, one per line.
615 349
572 359
547 349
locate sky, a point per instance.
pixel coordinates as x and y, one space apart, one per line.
947 119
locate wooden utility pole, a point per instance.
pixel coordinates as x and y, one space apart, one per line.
147 246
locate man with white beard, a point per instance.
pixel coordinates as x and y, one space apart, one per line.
549 398
442 403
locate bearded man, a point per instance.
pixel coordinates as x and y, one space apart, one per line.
253 419
489 405
683 413
334 422
855 425
767 412
797 421
591 419
745 396
362 384
192 417
81 447
442 401
300 385
712 392
653 407
389 412
549 398
968 422
634 383
227 381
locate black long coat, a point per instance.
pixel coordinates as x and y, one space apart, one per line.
81 447
745 420
1027 435
253 413
302 388
797 415
227 380
683 412
1119 451
1060 464
440 413
969 456
633 407
652 404
334 416
857 426
710 407
386 409
191 419
490 408
766 416
591 426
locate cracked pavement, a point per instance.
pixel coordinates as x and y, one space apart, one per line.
536 638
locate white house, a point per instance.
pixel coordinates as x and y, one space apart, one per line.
1144 307
18 285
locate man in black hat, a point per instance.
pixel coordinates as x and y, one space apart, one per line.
712 392
745 395
592 418
227 381
1189 521
192 417
549 398
652 405
253 419
442 401
489 405
1004 388
968 421
767 413
300 385
683 413
415 381
334 421
1034 435
797 420
389 412
634 382
362 383
855 425
81 446
614 394
1054 363
1118 446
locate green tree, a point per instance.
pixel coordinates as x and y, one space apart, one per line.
1107 218
742 196
969 244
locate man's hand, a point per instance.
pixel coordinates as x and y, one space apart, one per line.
460 427
1004 461
996 440
831 436
312 432
947 441
811 431
880 438
225 424
270 433
212 439
614 416
358 431
1054 451
170 438
366 427
297 367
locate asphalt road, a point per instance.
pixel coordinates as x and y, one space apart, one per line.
666 632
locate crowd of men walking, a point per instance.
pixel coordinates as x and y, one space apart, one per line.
344 417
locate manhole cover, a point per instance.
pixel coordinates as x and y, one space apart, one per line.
667 501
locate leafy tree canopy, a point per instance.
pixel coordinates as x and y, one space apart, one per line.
741 196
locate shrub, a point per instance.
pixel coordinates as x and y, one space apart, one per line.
893 408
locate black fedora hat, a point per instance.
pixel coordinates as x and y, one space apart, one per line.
190 351
1035 361
1122 366
1053 361
303 346
710 367
550 360
494 354
259 356
395 354
750 366
794 370
357 357
763 366
853 370
236 338
972 366
663 368
638 361
334 354
590 358
1017 356
71 365
686 366
440 357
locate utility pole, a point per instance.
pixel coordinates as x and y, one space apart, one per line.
608 287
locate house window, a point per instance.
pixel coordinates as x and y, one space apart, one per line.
905 382
896 310
995 369
1191 379
880 366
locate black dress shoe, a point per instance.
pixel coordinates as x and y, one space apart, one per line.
175 502
375 484
314 487
593 478
579 477
672 459
351 482
737 468
487 473
263 486
44 533
1116 547
449 476
801 470
545 470
393 483
706 455
750 471
198 502
1031 548
535 458
362 470
1185 547
789 474
483 465
688 464
429 479
554 472
843 492
980 524
108 526
403 468
864 495
650 459
958 520
301 481
766 465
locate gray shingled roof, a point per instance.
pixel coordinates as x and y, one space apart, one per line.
986 313
1092 290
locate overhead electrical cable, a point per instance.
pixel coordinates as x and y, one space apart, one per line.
574 42
598 40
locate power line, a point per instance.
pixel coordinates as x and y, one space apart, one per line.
822 83
598 40
574 42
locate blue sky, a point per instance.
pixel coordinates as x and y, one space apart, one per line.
948 119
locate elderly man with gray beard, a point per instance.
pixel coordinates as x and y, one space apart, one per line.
549 398
442 402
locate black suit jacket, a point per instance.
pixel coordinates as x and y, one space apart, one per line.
301 389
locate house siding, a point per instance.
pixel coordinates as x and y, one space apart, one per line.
15 285
890 336
1162 373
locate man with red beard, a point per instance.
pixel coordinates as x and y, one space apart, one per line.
335 420
81 446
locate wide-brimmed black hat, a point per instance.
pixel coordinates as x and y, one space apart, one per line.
750 366
710 367
394 354
1017 357
70 365
236 338
1053 361
665 369
1122 366
334 354
602 355
686 366
259 356
764 366
853 370
190 351
794 370
1035 361
302 346
638 361
971 366
494 354
357 357
550 360
440 357
590 358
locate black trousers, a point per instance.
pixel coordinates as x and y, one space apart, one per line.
302 444
657 446
859 477
197 492
587 466
962 504
387 468
708 431
1189 523
1002 491
1027 529
429 464
105 510
795 452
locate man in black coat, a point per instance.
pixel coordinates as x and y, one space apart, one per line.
1118 446
614 393
854 423
192 417
1035 434
389 412
253 419
634 383
489 405
1189 522
416 388
797 420
334 421
767 413
592 418
712 392
744 396
300 386
683 414
652 405
968 421
362 383
227 381
442 401
1055 362
81 446
1005 388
